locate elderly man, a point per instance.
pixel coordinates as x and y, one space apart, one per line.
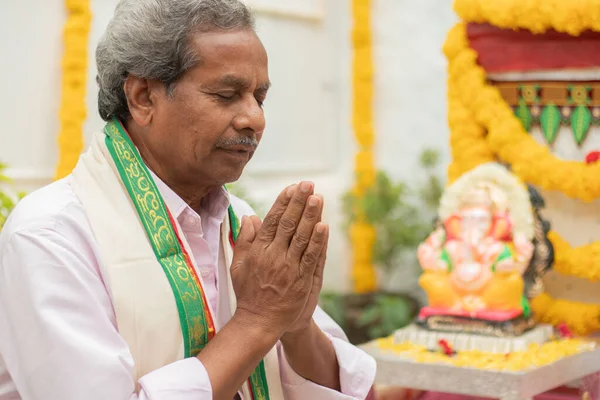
132 278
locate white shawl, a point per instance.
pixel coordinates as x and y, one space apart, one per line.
144 303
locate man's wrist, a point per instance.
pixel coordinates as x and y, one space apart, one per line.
255 327
302 337
311 354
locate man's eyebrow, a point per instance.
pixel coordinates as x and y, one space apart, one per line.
239 83
265 86
233 81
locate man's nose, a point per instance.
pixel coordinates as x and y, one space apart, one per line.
250 115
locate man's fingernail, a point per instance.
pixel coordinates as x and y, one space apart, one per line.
244 218
305 186
313 201
320 228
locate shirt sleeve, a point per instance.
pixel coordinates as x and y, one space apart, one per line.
357 368
57 329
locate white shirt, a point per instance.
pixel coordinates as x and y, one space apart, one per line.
58 335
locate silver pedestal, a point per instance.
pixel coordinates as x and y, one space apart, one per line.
469 341
393 370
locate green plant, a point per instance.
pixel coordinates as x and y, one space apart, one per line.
365 317
7 201
386 315
431 190
401 214
334 305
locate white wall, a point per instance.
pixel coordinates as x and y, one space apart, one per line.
308 112
411 81
30 48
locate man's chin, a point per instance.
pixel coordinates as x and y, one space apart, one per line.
227 168
230 174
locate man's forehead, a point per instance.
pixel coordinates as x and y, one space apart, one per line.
229 44
232 58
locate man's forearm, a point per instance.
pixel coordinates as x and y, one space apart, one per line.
312 355
231 356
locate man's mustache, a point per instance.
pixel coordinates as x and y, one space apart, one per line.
242 140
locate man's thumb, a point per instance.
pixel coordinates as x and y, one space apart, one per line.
246 236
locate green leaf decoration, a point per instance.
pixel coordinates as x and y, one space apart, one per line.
550 122
581 119
522 112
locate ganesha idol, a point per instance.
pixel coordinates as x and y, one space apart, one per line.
475 262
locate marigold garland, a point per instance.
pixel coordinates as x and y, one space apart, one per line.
467 139
471 147
537 16
582 318
518 361
483 126
362 235
74 73
582 262
531 161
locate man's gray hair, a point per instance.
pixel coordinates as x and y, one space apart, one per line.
151 39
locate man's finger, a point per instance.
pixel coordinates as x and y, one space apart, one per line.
319 271
271 221
288 223
243 243
256 222
247 234
317 283
301 238
311 256
322 206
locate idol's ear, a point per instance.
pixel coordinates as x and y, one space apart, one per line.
140 94
501 227
453 227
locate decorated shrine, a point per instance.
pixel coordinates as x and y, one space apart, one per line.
511 269
535 108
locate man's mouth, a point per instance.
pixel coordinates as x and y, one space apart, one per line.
239 152
240 148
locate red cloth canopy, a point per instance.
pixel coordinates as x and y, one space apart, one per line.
503 50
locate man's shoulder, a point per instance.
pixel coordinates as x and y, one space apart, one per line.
48 208
240 207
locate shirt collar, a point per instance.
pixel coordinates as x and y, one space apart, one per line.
215 204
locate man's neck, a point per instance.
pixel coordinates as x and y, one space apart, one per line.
189 191
191 194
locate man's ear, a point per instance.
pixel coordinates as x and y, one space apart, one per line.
138 92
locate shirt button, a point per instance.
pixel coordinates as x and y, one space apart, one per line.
193 222
204 272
